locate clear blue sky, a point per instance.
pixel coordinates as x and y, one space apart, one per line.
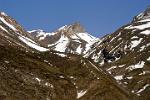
99 17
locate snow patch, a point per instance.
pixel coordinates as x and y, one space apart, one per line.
61 55
145 72
61 44
147 85
119 77
146 32
45 61
32 44
3 29
49 85
113 67
148 59
6 62
4 14
87 37
119 39
135 37
38 79
96 57
61 76
129 77
140 27
120 66
142 48
71 77
79 50
9 25
62 28
135 43
41 34
145 20
81 93
74 36
138 65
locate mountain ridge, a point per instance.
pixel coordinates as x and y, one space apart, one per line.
71 38
124 54
70 64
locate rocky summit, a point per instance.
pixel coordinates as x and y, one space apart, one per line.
68 38
71 64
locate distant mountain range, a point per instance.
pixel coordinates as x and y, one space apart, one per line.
71 64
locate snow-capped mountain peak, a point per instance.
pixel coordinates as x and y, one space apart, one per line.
68 38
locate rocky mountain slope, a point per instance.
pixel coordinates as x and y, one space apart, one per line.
46 76
125 54
13 34
29 71
70 64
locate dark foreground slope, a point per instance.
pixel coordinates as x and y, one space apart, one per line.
46 76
